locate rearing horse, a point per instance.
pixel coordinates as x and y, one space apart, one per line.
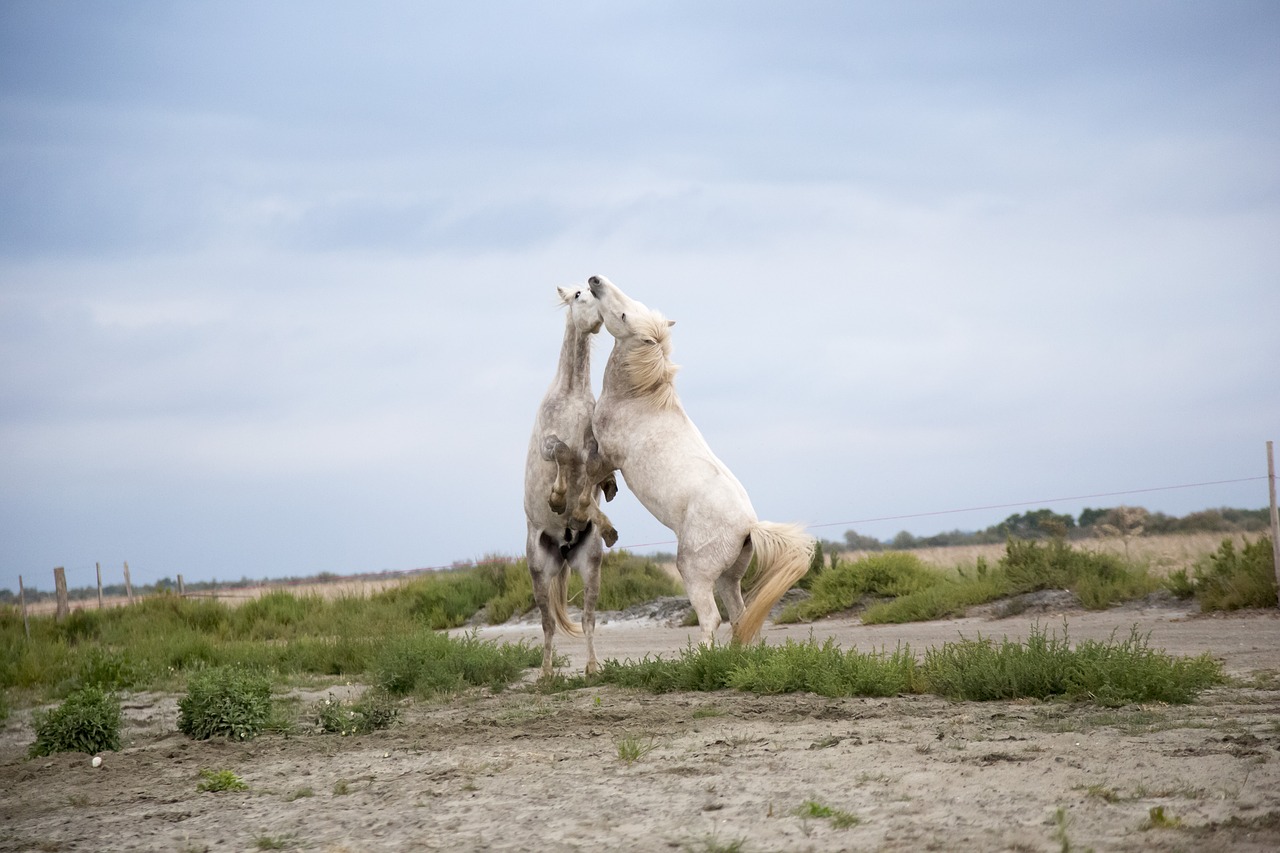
564 533
643 431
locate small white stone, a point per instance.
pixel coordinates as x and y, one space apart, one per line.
97 761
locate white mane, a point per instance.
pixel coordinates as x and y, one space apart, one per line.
646 362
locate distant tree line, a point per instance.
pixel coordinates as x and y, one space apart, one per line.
1121 521
165 584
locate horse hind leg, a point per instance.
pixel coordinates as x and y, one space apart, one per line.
698 575
729 584
555 450
542 562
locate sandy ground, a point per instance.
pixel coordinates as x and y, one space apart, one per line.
521 770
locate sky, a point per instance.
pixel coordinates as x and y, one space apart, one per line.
277 280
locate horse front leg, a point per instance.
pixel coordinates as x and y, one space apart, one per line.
555 450
597 474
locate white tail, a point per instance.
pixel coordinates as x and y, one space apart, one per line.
558 598
783 552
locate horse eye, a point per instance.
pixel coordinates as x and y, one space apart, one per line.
577 294
624 316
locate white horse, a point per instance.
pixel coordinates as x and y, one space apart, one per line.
643 431
561 535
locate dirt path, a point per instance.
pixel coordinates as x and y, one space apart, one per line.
525 771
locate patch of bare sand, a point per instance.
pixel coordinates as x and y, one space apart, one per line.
525 771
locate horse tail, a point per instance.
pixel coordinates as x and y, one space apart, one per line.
558 599
783 552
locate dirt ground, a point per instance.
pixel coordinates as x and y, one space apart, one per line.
521 770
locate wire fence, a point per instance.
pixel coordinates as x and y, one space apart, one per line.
240 589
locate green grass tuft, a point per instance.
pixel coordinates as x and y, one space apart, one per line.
1110 673
216 781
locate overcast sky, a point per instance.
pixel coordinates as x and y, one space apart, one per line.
277 280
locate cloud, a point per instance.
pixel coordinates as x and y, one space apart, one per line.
276 286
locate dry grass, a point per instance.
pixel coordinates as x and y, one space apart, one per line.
1162 555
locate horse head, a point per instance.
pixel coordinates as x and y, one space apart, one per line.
626 318
584 309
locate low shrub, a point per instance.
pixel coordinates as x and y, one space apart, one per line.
374 710
225 701
87 721
1098 579
429 663
1231 580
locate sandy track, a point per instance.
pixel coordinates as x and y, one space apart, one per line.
525 771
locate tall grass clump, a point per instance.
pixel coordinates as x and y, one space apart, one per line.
823 669
841 587
826 670
1045 666
429 663
444 599
87 721
1231 579
225 701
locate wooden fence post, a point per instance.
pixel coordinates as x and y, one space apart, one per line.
98 566
22 599
1275 515
60 587
182 589
128 584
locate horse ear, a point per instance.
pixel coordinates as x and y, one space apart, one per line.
565 295
670 323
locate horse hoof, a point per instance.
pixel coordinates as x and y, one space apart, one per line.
610 536
557 504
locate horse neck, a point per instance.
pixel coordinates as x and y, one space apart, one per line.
615 379
574 372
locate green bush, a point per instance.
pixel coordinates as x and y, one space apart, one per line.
225 701
1230 580
891 574
374 710
88 721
